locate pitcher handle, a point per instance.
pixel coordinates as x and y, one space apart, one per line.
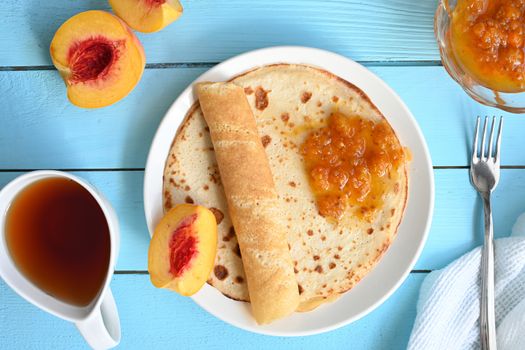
101 330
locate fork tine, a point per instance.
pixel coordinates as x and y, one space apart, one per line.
483 153
498 142
475 143
491 138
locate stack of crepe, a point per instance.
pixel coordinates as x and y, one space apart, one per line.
237 153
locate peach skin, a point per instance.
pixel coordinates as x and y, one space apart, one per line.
99 57
147 16
183 248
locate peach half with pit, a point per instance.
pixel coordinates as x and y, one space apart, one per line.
147 16
99 57
183 248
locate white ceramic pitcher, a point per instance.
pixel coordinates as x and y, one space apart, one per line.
98 322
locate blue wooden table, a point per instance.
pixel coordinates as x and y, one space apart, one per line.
40 129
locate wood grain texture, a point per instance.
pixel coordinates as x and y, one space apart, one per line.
210 30
49 132
46 131
159 319
457 225
455 230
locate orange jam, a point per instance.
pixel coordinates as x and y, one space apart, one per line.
488 37
349 162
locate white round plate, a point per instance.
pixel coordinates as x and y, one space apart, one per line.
395 265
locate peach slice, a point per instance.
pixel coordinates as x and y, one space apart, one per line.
147 16
183 248
99 57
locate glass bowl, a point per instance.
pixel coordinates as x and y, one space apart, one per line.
510 102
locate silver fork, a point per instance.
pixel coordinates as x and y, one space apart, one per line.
484 174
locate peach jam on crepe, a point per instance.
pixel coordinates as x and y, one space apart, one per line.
347 161
488 38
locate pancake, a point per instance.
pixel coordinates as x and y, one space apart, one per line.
288 101
253 203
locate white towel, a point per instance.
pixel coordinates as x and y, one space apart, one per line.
448 306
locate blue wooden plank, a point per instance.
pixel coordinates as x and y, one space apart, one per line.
160 319
456 228
210 31
46 131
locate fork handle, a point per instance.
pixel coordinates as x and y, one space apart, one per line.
487 317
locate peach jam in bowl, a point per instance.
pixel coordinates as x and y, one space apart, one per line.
482 43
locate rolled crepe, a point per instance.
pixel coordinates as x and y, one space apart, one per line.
252 200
